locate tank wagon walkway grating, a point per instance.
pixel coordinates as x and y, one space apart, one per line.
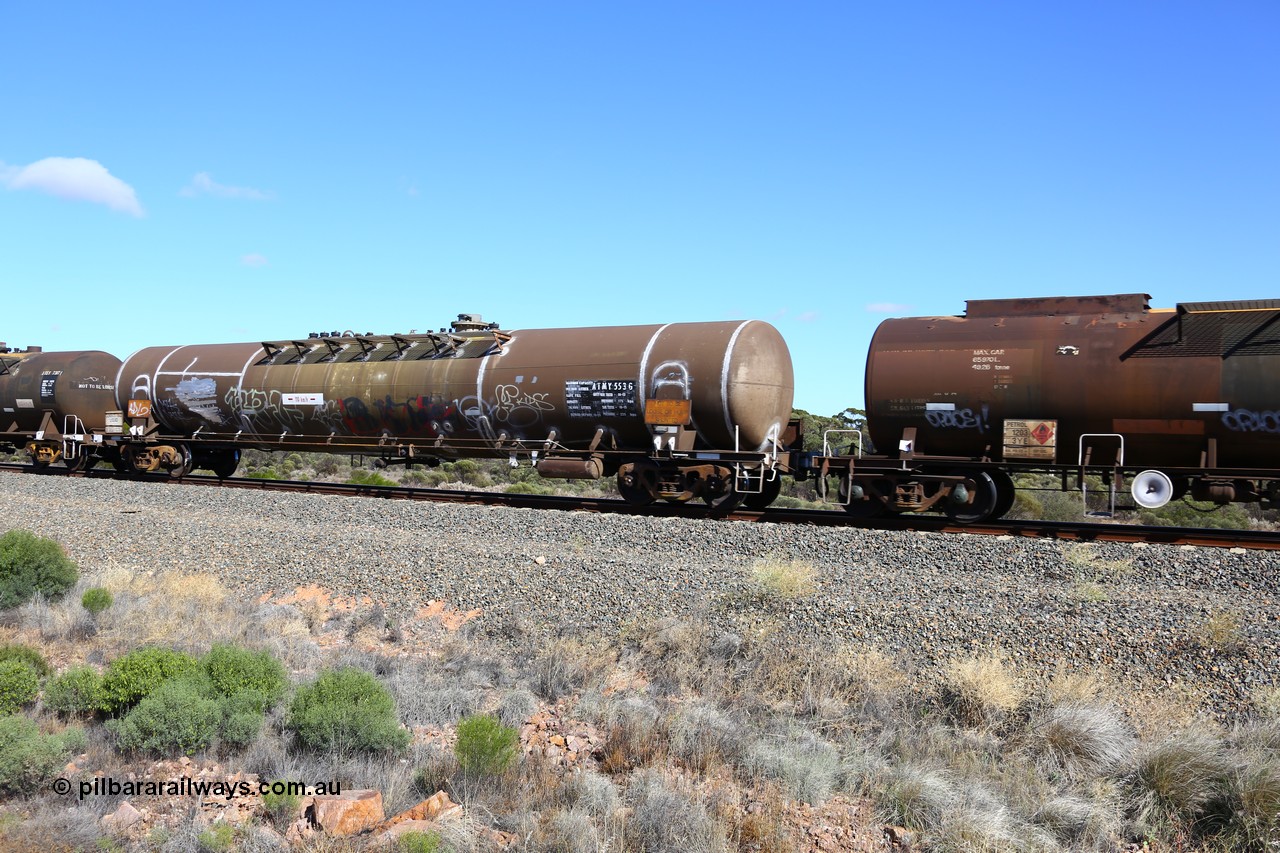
1222 329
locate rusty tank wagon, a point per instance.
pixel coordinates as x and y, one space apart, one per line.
51 403
1171 401
676 412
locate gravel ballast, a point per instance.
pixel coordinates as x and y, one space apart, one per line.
1139 613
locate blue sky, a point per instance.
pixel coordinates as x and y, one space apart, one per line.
248 171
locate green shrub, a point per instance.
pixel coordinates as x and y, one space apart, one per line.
369 478
242 717
25 654
178 715
485 747
28 759
96 599
19 685
263 474
76 692
74 739
137 674
280 807
233 670
31 564
346 709
216 838
419 842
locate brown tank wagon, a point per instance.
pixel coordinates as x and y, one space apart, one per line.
50 402
676 411
1173 400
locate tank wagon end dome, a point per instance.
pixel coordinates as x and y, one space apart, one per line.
757 384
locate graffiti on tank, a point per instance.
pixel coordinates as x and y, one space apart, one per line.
670 373
263 410
413 417
519 408
141 388
958 419
477 415
1246 420
200 398
416 417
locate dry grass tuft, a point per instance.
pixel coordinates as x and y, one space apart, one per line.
703 736
178 609
1267 701
1175 779
1223 632
667 815
981 690
1084 739
571 665
1074 686
785 580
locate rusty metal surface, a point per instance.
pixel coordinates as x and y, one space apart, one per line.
958 379
474 392
79 383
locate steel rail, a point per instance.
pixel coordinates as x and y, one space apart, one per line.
1060 530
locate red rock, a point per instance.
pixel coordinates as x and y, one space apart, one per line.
433 808
352 812
122 818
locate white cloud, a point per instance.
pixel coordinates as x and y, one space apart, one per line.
204 184
808 316
253 259
889 308
74 178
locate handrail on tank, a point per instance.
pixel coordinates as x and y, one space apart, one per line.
826 445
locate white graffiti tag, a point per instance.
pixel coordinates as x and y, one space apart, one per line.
518 408
962 419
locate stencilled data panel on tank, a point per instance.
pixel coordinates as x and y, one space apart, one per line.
600 398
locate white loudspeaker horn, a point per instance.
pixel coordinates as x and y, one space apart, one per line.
1152 489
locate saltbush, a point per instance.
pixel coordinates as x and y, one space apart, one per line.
419 842
485 747
19 685
25 654
369 478
139 673
242 717
75 692
31 564
346 709
28 759
177 715
96 599
233 670
280 806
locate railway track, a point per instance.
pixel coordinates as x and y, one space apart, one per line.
1069 531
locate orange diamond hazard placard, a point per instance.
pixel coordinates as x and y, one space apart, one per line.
1030 440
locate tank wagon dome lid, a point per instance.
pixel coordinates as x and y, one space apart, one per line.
1042 306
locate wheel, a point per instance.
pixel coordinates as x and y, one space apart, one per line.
986 499
79 463
863 507
187 466
632 488
125 464
1004 487
762 499
223 463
